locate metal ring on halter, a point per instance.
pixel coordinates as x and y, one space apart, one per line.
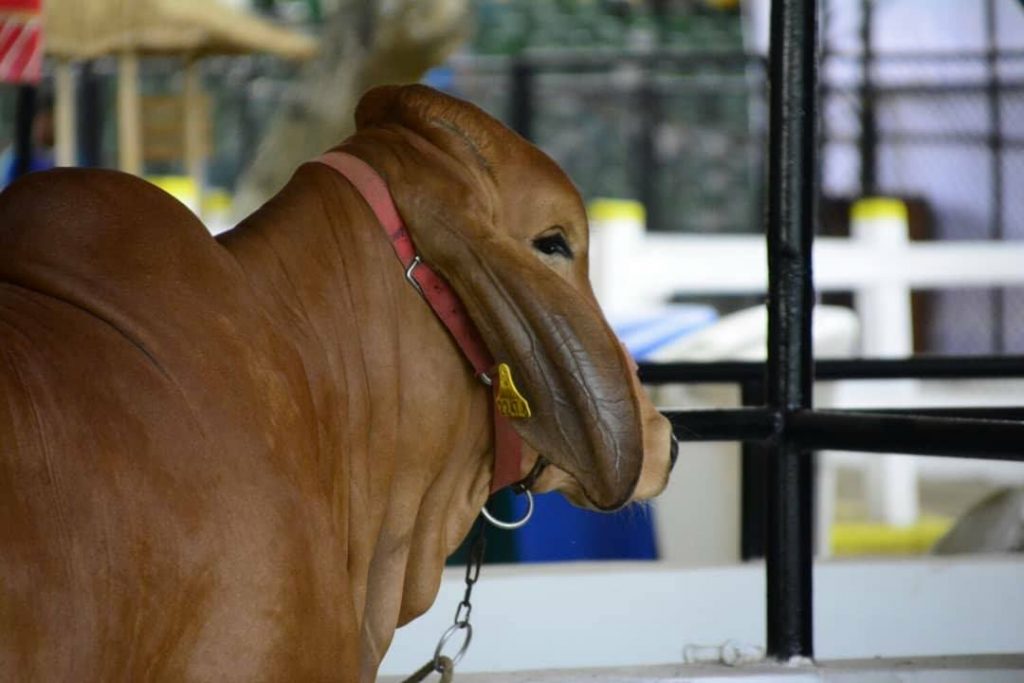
408 274
444 641
511 526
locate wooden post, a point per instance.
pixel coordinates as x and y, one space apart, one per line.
194 126
129 131
65 139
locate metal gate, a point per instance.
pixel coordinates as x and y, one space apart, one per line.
778 425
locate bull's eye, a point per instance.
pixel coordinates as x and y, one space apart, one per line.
553 244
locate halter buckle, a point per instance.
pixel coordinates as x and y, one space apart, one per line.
408 274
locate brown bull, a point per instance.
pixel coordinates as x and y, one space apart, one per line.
248 458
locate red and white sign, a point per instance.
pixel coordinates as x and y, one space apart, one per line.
21 41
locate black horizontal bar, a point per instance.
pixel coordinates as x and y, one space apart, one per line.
911 138
700 373
678 57
909 434
548 57
555 59
740 424
921 367
915 89
968 432
1003 413
924 56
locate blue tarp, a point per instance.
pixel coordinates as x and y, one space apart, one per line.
559 531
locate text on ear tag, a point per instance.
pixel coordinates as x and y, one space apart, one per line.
509 401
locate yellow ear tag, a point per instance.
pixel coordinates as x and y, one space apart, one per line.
509 401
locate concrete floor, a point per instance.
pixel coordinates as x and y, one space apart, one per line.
983 669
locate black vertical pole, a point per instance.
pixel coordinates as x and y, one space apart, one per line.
754 457
90 117
24 115
649 119
521 98
995 148
646 165
247 123
791 214
868 120
659 12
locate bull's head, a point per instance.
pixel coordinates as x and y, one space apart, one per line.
505 226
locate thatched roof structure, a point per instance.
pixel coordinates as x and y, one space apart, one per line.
85 29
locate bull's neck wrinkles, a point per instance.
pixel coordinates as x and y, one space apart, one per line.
403 427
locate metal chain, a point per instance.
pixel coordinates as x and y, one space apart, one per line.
440 663
473 563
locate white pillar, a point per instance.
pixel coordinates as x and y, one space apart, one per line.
194 121
129 129
617 229
65 142
887 332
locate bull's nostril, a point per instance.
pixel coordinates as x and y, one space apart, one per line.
673 451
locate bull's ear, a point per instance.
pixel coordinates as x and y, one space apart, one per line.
564 358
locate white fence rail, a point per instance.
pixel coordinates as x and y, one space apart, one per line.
631 269
644 268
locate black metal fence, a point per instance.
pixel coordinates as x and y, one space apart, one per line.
680 130
777 426
780 426
946 126
684 132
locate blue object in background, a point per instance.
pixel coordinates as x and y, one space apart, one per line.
559 531
646 333
40 161
442 78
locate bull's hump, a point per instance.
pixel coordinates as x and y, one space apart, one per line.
122 250
98 219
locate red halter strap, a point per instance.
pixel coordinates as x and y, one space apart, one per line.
439 296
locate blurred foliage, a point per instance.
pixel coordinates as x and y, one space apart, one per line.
362 43
698 120
704 170
307 11
506 27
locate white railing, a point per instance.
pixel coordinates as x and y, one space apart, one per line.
631 268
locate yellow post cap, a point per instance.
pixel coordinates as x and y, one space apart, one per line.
605 209
876 208
216 201
181 187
